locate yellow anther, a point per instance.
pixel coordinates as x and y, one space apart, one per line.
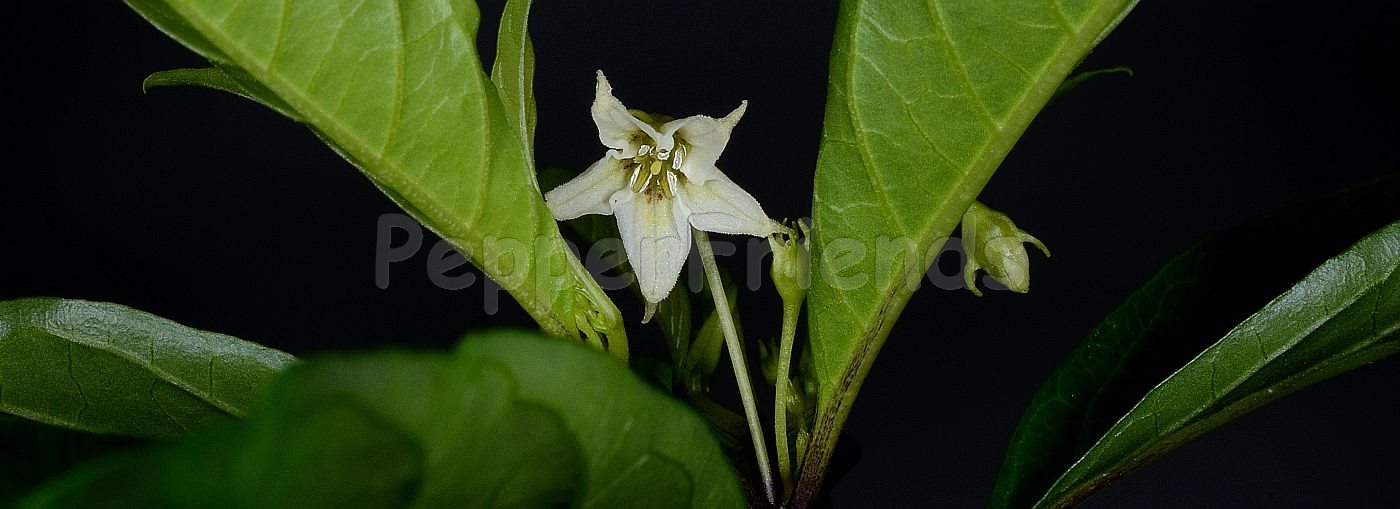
666 187
650 170
638 181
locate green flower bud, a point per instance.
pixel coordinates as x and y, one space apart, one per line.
792 263
993 243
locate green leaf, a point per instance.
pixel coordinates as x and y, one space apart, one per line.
1194 300
398 90
105 368
219 78
339 454
643 448
925 100
1078 79
503 422
1344 315
35 453
514 72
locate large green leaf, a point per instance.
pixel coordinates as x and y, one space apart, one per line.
1343 315
397 89
504 422
106 368
1193 301
926 99
35 453
643 448
338 454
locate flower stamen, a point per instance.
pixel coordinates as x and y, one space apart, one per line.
680 155
649 171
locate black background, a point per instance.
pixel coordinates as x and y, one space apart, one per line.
209 210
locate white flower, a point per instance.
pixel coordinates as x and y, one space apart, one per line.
659 180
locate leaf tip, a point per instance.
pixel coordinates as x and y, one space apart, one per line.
156 79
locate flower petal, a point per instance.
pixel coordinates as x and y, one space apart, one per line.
707 138
721 206
656 238
617 128
588 193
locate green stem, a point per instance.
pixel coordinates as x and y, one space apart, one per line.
780 409
736 356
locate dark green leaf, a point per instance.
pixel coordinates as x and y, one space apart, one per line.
106 368
397 89
1073 82
503 422
1194 300
925 100
643 448
338 454
1344 315
35 453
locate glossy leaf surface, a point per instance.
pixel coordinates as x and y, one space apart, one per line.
1342 316
106 368
397 89
503 422
1193 301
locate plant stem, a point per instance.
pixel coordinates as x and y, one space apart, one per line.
780 409
736 356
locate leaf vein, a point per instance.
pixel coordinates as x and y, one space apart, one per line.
82 395
867 164
281 33
1060 18
156 401
396 113
960 68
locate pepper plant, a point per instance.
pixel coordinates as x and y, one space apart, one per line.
925 100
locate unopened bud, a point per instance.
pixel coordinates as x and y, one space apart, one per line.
792 263
994 244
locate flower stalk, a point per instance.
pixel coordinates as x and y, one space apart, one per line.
791 273
736 356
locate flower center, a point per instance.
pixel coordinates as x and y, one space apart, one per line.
655 172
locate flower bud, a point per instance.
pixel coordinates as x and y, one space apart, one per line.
792 265
993 243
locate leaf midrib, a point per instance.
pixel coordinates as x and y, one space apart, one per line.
998 145
992 153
